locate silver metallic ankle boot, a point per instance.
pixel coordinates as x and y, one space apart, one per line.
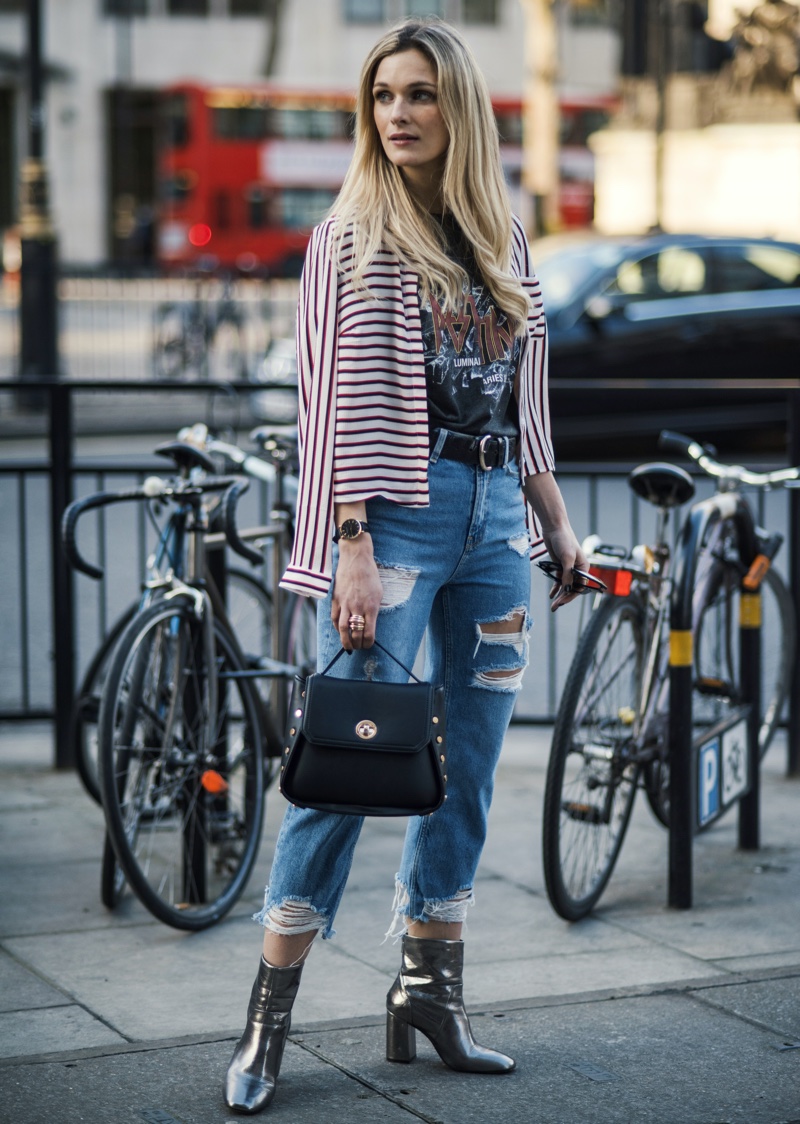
256 1062
427 996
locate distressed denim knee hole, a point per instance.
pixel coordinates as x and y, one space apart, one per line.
398 584
291 918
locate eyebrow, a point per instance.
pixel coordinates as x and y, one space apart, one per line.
411 85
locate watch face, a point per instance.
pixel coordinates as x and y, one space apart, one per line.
350 529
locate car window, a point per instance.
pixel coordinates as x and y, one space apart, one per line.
565 272
673 271
752 267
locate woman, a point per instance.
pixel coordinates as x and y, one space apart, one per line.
424 427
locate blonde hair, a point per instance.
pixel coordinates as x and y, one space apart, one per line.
376 207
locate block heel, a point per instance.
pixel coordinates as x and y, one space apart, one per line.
401 1040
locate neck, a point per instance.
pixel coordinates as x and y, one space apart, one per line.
427 191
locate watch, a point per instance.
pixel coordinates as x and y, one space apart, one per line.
350 529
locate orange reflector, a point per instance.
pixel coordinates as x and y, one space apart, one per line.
757 572
618 581
214 782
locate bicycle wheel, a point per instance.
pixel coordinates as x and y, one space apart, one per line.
169 344
112 876
249 608
182 787
779 643
716 643
86 708
593 768
716 664
229 361
301 632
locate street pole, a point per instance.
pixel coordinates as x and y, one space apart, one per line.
38 309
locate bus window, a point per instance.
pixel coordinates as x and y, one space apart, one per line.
303 207
241 122
175 110
178 187
260 207
509 125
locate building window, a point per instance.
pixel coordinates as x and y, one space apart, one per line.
479 11
590 13
121 7
424 7
249 7
187 7
363 11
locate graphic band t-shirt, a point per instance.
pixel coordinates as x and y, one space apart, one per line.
471 356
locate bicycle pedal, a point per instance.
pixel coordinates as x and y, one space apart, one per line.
717 688
583 813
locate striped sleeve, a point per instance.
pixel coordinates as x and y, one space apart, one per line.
536 453
310 567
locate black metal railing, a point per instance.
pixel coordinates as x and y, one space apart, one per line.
52 621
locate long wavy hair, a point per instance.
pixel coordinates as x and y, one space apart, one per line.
376 207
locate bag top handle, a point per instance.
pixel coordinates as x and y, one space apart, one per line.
342 651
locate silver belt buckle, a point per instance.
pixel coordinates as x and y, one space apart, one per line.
481 450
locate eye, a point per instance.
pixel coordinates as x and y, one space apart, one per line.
383 96
424 95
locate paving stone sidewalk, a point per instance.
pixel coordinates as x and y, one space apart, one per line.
640 1013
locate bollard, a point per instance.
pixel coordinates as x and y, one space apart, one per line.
750 671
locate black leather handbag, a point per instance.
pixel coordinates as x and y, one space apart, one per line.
365 748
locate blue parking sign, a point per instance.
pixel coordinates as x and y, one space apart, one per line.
708 781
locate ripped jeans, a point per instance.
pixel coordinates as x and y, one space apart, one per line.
450 571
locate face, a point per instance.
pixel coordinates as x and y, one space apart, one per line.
412 130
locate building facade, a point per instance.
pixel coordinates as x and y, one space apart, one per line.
107 60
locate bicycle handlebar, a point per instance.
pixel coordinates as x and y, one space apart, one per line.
729 473
154 488
229 503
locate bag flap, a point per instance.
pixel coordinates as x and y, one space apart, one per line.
368 715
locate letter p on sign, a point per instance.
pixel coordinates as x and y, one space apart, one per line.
708 782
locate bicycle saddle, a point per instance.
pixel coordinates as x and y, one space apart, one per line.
664 485
186 456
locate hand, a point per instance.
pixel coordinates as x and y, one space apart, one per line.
357 590
564 549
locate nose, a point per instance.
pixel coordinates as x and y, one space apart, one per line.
399 110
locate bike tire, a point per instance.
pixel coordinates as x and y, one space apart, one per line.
228 350
112 876
169 343
716 658
183 795
593 770
86 708
301 632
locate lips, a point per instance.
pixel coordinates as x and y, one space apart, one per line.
401 137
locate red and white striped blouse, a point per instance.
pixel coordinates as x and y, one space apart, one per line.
363 418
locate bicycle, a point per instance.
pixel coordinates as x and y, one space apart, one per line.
186 332
249 601
186 745
611 734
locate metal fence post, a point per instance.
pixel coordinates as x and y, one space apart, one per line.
63 599
681 780
793 754
750 670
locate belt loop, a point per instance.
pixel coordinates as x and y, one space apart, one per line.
507 456
436 451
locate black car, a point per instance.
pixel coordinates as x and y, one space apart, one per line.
677 307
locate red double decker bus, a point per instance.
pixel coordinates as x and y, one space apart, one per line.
246 172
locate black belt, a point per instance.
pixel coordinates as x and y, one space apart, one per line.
488 452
